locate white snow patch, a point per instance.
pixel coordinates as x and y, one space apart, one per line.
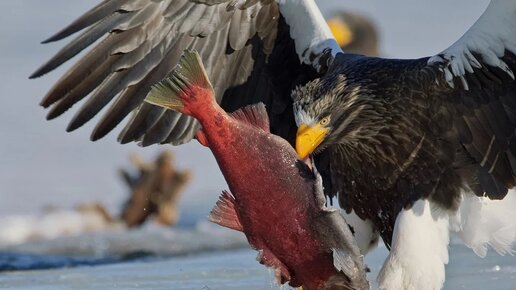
18 229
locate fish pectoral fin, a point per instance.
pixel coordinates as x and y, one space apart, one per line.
225 214
342 261
267 258
255 115
351 272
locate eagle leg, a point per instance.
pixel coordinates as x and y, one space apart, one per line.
419 249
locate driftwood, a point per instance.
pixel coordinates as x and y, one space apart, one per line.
155 190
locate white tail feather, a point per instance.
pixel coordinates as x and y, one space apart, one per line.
481 222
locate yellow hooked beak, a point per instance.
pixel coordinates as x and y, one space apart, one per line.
341 31
308 138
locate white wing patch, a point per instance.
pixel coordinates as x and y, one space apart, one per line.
309 30
492 34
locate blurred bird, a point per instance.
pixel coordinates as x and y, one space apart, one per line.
413 148
355 33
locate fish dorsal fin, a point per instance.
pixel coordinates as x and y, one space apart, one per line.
255 115
224 213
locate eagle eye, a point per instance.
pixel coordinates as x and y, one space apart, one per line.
325 121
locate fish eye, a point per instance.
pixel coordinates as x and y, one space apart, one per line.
325 121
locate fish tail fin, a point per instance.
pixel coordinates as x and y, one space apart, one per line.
186 89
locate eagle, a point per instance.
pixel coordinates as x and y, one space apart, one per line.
355 33
413 149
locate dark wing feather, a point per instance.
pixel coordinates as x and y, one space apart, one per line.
434 139
99 12
475 80
244 45
446 125
483 120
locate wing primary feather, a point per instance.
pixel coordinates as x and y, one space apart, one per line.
140 124
80 43
88 64
180 128
142 120
137 45
239 29
187 136
99 12
105 93
177 138
81 90
160 131
113 85
130 98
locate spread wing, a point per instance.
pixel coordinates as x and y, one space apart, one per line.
251 49
445 124
475 80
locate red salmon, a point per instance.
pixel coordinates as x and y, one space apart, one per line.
276 200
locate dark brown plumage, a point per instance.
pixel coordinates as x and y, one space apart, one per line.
401 132
136 53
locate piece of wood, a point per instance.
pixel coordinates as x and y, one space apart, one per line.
155 190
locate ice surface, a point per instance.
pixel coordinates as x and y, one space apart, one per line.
118 245
203 257
236 270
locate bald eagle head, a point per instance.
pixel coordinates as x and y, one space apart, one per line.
331 111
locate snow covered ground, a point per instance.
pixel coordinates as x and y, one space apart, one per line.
236 270
204 256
